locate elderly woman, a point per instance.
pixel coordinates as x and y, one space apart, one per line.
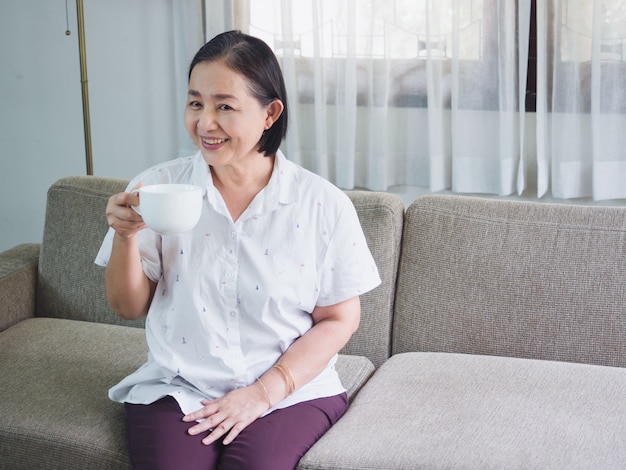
246 312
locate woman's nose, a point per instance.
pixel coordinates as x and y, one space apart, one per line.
207 121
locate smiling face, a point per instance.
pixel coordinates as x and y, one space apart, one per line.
223 118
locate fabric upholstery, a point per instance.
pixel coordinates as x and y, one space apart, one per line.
18 281
70 284
484 276
382 217
442 410
353 371
55 409
55 376
478 280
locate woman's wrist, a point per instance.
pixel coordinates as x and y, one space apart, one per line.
287 375
265 392
276 384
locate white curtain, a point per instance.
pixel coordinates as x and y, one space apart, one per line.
397 92
431 93
581 101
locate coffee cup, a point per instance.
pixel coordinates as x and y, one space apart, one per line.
169 208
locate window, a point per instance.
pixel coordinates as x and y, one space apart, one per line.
393 29
390 39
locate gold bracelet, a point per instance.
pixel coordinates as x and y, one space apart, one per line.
267 395
288 376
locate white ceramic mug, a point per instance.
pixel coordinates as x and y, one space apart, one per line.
169 208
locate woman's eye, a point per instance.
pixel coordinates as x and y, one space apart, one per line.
194 104
224 107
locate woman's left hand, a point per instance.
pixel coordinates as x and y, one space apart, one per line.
228 415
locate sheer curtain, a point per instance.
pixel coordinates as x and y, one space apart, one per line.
431 93
581 98
398 92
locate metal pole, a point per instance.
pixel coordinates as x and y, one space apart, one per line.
83 81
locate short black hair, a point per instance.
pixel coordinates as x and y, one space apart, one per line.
255 60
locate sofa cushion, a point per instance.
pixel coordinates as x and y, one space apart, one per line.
510 278
70 285
440 410
55 377
354 371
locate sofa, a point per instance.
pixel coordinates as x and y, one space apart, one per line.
497 339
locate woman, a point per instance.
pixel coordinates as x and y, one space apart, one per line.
245 313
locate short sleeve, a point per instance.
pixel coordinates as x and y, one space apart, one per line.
349 268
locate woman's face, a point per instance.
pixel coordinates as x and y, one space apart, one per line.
222 117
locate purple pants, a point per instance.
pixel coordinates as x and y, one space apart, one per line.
158 438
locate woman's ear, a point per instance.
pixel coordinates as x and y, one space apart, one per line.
274 110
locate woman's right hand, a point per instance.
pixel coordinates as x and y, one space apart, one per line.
121 216
128 289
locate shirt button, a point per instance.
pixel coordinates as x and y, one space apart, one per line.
233 314
233 234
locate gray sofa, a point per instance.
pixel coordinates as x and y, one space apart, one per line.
496 340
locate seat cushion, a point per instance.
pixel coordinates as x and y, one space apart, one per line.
443 410
55 375
353 372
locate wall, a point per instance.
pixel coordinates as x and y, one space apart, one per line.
133 121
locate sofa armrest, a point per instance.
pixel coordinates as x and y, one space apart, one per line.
18 283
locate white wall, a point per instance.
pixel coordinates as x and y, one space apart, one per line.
40 113
132 94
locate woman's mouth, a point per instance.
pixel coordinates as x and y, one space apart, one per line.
212 142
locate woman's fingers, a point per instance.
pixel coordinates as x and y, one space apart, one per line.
120 214
227 416
234 432
218 431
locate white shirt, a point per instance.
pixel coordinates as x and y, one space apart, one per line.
231 297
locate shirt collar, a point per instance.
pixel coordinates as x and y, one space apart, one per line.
282 187
200 174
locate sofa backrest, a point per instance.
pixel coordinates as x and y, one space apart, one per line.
71 286
382 217
519 279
